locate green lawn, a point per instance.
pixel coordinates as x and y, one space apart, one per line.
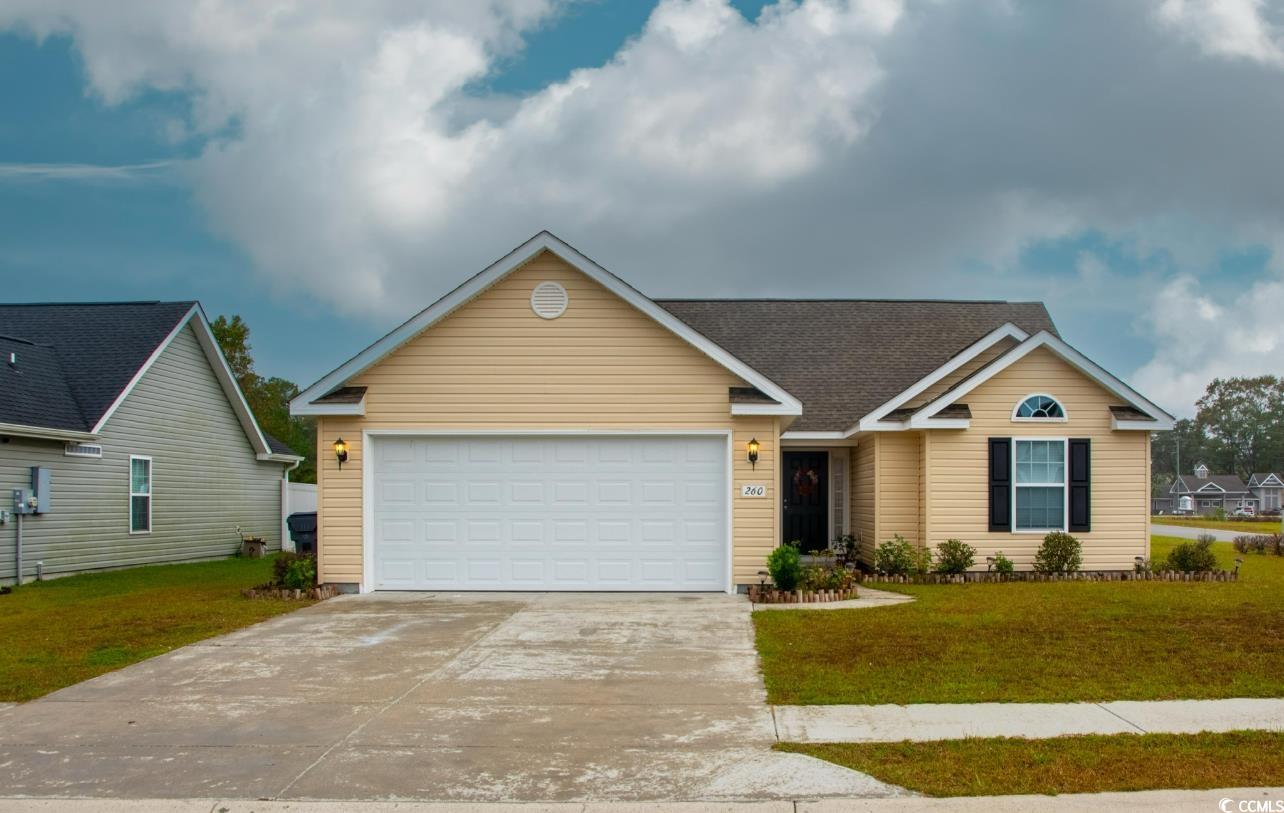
1087 764
63 631
1038 642
1239 526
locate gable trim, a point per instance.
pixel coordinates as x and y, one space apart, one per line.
1208 486
1266 482
788 405
1068 354
874 420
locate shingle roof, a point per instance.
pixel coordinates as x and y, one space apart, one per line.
278 446
748 395
1227 482
343 395
844 358
1259 476
1129 413
74 359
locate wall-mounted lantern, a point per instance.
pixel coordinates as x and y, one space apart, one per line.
341 451
753 453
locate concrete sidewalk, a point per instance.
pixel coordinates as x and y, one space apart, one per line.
951 721
1168 801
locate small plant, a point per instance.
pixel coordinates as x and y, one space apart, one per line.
1219 514
845 547
1193 557
1003 565
1259 543
954 556
293 571
1059 553
922 560
820 577
785 566
895 557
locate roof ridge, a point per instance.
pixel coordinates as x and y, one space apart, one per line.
909 300
98 304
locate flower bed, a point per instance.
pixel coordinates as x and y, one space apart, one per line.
976 577
770 595
312 593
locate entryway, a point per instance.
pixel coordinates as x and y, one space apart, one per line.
805 498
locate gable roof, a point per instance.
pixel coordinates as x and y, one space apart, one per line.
1260 478
1227 483
783 403
73 364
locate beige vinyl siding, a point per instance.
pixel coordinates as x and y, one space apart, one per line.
864 518
494 364
898 489
958 474
206 479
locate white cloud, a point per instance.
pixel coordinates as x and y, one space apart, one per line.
1227 28
85 172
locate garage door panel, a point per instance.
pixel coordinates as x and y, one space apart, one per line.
550 513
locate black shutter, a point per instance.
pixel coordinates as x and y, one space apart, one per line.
1080 484
1000 484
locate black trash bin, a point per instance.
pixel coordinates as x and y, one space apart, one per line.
303 530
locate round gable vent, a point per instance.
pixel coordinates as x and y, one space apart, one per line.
548 300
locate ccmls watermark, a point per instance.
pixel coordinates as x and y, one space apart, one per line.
1251 805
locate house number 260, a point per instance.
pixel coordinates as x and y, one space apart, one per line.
753 490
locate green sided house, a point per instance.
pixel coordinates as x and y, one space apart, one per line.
546 426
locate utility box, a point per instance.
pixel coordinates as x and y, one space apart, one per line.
41 488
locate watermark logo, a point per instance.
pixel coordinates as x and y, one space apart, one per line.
1251 805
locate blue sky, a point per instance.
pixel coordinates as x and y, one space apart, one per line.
877 151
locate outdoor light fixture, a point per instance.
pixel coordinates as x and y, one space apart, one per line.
341 451
753 453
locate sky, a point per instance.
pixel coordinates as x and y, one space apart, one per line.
327 169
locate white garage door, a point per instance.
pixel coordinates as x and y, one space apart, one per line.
600 512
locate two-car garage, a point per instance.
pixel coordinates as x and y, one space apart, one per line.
548 512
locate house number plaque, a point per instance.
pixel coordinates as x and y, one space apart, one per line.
753 490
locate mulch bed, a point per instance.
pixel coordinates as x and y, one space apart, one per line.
311 594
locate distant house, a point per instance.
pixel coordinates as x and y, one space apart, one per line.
151 453
1205 492
1267 488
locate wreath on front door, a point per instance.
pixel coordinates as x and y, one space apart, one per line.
805 481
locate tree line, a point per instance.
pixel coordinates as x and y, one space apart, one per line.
1238 428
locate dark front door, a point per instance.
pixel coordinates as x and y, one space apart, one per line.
806 499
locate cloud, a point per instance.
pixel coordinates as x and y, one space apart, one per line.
85 172
864 148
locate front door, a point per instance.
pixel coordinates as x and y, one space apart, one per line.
806 499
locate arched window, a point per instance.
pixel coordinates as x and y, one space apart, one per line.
1038 407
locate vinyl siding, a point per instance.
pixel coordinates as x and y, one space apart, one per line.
864 517
205 479
494 365
898 487
958 470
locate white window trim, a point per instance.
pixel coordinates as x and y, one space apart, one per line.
1065 414
150 495
1065 485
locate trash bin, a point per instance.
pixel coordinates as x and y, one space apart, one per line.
303 531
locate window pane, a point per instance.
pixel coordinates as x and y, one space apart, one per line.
140 514
1039 508
140 476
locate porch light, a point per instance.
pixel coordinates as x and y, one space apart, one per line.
753 453
341 451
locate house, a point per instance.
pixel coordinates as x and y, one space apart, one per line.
1266 488
149 449
546 426
1208 493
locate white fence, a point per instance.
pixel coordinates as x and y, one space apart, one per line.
295 498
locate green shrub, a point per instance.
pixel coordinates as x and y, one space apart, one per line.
293 571
785 567
822 577
895 557
1193 557
1259 543
1003 565
954 556
1059 553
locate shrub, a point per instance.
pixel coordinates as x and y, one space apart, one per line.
293 571
1219 514
1193 557
895 557
1259 543
1003 565
922 560
785 567
954 556
1059 553
820 577
1242 544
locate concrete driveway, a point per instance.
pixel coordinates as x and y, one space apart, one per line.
502 697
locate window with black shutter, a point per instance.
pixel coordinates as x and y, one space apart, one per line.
1080 484
1000 484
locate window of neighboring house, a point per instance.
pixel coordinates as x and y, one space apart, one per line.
1039 408
1270 498
1040 495
140 495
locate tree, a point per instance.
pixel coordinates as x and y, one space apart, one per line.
269 398
1185 441
1243 421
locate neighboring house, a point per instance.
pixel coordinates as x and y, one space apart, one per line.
545 426
152 452
1208 493
1267 488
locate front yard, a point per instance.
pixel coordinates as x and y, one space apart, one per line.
1088 764
61 632
1256 526
1038 642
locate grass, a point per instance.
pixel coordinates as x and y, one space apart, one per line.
61 632
1083 764
1038 642
1241 526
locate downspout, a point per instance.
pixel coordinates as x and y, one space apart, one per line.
17 548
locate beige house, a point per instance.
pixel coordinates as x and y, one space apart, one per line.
545 426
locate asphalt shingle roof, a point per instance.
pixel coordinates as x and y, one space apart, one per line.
844 358
1227 482
73 360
